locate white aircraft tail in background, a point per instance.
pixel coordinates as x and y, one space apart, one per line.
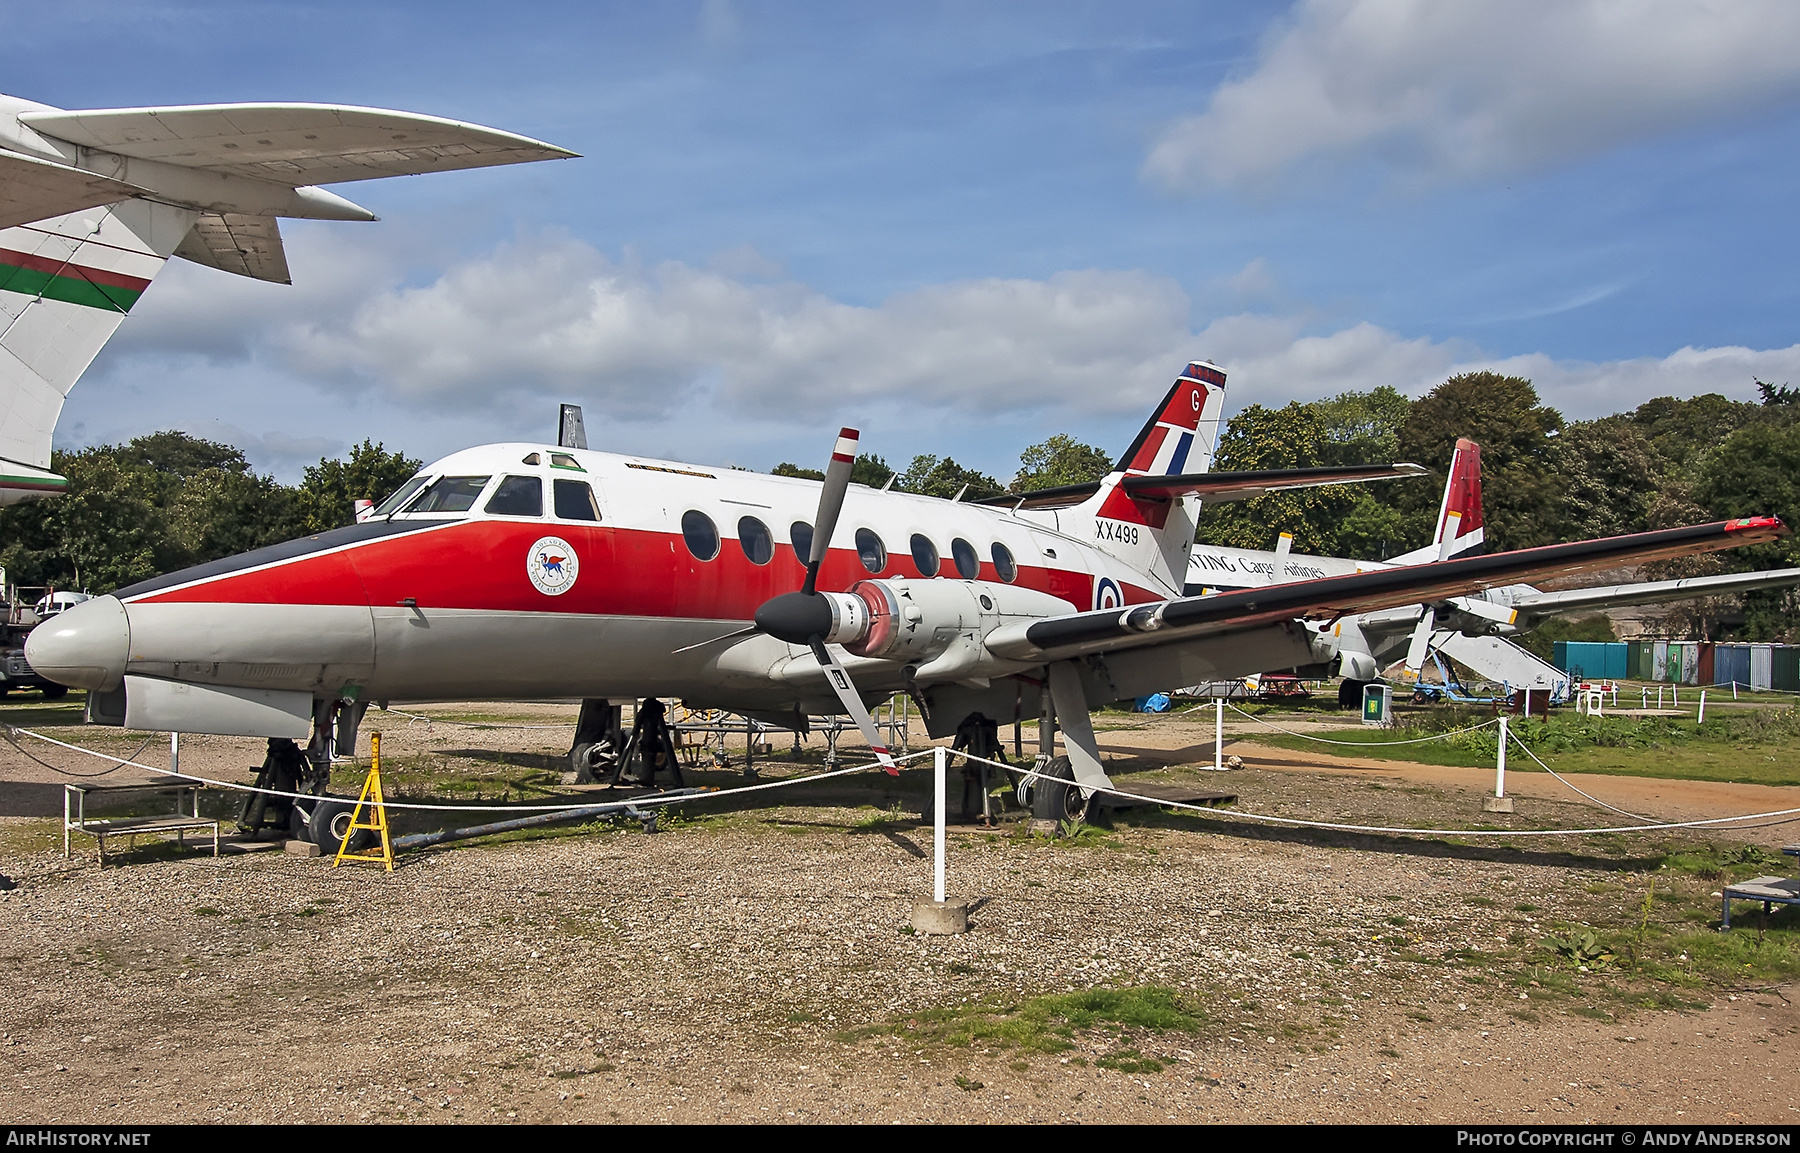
93 203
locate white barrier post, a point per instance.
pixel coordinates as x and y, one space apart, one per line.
1219 735
1500 764
174 752
1702 718
1675 696
937 812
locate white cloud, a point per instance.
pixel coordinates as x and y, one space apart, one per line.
696 364
550 315
1452 87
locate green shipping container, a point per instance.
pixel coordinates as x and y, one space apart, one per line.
1640 657
1786 672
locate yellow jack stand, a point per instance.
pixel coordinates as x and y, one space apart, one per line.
373 798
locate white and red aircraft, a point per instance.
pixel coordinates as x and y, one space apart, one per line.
94 202
531 571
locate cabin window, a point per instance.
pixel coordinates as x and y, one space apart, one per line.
531 458
701 534
871 550
518 496
399 498
575 501
754 539
450 494
1003 563
925 555
968 563
800 536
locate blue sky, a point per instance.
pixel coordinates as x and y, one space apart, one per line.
963 226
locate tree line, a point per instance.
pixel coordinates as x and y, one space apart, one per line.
169 499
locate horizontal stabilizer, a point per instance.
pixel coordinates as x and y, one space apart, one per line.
1213 487
32 189
1652 592
292 144
244 245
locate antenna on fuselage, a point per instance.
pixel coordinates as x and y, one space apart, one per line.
570 433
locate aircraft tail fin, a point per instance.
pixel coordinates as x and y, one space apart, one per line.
1183 434
1459 531
66 283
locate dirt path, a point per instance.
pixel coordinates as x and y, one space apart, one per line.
754 966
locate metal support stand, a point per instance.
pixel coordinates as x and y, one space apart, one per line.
652 742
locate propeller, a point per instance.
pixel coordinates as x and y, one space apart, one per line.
812 618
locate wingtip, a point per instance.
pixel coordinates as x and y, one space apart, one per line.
1758 524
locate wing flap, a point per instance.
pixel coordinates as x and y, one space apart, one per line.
1166 622
293 143
244 245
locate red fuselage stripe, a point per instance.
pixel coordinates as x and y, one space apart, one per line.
481 565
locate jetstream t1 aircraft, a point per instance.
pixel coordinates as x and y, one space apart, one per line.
530 570
92 203
1367 642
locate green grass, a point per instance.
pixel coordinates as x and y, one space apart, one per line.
1048 1024
1746 746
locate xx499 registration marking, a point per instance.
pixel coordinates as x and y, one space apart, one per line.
1112 530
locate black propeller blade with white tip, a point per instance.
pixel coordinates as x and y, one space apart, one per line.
808 617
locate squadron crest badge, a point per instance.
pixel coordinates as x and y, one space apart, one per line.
552 566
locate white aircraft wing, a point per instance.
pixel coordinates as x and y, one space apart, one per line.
1173 622
1651 592
292 144
1213 487
33 189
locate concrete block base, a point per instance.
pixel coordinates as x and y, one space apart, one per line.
1043 828
298 848
940 918
1496 804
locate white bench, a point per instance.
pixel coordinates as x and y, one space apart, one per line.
184 819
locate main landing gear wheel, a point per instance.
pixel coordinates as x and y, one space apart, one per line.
1059 798
1350 693
330 821
55 692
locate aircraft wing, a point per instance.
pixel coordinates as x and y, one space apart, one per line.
292 144
1214 487
1175 621
1651 592
32 189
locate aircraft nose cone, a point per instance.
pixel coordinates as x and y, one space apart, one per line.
83 647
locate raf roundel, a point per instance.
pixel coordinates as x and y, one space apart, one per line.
552 566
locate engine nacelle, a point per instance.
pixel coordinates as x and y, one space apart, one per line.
938 625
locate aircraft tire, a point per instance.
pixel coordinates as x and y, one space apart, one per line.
330 818
1059 799
1350 693
55 692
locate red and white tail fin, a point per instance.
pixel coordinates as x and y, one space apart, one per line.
1183 435
1153 533
1458 532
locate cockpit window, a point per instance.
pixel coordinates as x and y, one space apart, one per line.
399 498
518 496
575 501
450 494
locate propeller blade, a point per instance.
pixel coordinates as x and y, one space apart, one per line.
744 632
1421 640
840 681
831 502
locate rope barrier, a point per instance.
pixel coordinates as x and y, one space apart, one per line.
13 733
1571 784
1361 744
431 720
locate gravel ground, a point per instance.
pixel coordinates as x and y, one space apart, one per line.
755 965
